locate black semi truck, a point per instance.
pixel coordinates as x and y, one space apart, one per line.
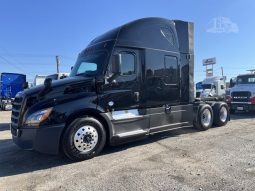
131 82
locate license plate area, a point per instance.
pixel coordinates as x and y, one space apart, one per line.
239 108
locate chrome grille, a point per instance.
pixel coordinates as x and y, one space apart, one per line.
242 96
16 117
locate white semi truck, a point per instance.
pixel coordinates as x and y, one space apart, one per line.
214 87
39 79
57 76
242 95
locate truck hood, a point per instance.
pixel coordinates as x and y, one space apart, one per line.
207 93
243 87
62 85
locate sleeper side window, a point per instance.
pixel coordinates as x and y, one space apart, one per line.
171 70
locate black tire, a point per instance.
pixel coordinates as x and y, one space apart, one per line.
217 113
68 145
199 124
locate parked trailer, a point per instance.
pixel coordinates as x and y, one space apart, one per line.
131 82
11 84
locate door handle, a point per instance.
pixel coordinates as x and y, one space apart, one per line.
168 108
137 96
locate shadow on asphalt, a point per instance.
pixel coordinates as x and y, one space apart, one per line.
242 115
14 161
4 126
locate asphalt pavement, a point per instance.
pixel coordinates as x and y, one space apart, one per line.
183 159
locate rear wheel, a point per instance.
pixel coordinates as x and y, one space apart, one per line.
221 114
83 139
204 118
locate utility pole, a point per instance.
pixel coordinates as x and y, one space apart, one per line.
222 74
58 62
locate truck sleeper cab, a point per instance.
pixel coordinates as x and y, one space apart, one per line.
131 82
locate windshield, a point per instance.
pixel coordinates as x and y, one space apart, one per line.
206 86
89 65
199 86
249 79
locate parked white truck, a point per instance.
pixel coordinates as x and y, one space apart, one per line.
39 79
57 76
242 95
214 87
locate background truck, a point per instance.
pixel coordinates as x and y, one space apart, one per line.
131 82
242 95
199 89
10 85
58 76
39 79
214 87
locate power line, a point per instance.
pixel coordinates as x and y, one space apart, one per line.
36 55
8 62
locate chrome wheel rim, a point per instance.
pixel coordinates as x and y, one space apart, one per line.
86 138
206 117
223 114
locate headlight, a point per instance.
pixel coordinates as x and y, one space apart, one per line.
36 118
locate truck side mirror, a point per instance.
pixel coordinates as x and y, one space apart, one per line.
71 68
116 63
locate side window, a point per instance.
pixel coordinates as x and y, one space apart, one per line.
171 70
128 66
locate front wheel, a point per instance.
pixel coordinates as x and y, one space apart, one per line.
83 139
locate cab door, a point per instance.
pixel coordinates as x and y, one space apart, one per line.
122 98
124 91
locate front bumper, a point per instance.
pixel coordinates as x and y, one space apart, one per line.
44 140
243 107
